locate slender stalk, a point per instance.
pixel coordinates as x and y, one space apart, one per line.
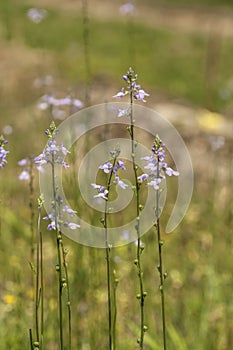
107 252
59 268
142 294
162 275
30 339
41 287
86 51
68 302
115 310
38 290
31 207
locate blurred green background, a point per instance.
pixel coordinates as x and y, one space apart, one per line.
182 51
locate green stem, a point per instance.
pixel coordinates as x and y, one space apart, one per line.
58 256
115 311
139 248
160 266
107 252
86 51
42 292
30 339
68 302
31 207
37 299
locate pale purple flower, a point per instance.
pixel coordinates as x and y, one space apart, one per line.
119 165
156 166
133 89
77 103
3 152
37 15
23 162
69 211
71 225
60 221
127 8
103 195
106 167
52 153
24 175
52 147
169 171
121 183
123 112
154 183
62 162
140 95
102 191
143 177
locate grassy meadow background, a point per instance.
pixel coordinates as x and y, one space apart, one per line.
182 52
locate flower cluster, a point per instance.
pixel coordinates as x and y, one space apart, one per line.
132 88
53 153
156 166
57 215
57 105
111 167
3 152
37 15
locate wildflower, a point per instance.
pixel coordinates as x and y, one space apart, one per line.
59 106
106 167
37 15
132 88
60 220
3 152
120 182
111 167
53 153
156 166
24 175
102 191
69 211
127 8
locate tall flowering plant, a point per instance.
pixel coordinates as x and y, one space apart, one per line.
135 93
111 168
53 155
156 169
